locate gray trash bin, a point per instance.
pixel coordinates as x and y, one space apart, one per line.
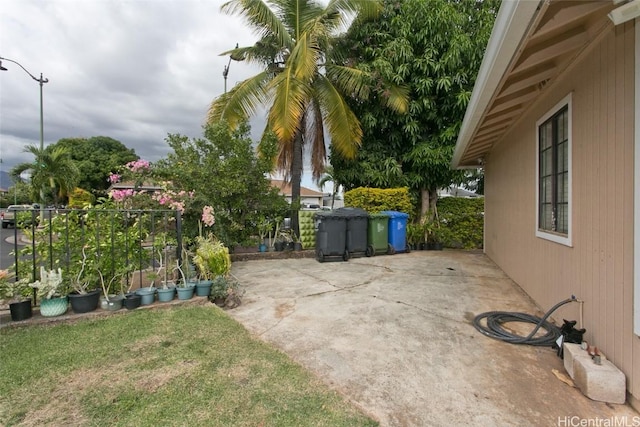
357 220
331 236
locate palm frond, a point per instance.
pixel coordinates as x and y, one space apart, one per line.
350 81
345 10
397 97
290 100
343 126
260 18
241 101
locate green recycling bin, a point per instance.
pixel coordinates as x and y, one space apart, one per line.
377 234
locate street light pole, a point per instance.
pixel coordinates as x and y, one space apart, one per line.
41 81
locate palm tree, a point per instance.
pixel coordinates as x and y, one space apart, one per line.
328 176
51 167
304 80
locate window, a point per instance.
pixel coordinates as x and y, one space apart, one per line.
554 174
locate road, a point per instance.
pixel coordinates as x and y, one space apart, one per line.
6 248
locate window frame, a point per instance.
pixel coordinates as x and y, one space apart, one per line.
562 238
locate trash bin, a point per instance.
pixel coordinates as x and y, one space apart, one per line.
397 230
378 234
331 236
357 219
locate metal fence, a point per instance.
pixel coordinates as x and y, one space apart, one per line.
117 241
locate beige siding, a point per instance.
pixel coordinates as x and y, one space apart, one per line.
598 268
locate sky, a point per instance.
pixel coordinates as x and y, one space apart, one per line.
132 70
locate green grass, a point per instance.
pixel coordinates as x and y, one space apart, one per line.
185 366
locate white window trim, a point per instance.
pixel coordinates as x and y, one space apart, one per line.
557 238
636 211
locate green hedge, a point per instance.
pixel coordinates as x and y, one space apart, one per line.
374 200
462 222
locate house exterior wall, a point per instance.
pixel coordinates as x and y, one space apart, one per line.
598 267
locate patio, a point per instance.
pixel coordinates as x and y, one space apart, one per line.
394 334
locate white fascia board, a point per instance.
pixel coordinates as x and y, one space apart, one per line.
511 26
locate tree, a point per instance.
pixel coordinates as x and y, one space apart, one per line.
328 176
96 158
53 168
304 79
435 48
224 172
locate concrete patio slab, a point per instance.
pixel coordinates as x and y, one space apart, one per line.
394 335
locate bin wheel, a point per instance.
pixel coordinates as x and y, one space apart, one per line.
391 250
345 256
370 251
320 256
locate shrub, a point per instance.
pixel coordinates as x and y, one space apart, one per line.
462 222
377 199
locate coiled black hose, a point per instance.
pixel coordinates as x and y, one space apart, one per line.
495 320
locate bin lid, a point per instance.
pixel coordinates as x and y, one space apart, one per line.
378 215
395 214
351 212
327 216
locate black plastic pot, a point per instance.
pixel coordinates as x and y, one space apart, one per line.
131 301
20 310
84 303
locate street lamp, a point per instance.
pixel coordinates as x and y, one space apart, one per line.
41 81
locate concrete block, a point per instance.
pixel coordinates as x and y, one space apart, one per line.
573 352
604 383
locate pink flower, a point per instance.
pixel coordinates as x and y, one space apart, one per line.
138 166
114 177
207 216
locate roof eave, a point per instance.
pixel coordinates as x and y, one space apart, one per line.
510 28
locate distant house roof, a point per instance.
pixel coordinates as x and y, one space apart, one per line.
285 189
132 185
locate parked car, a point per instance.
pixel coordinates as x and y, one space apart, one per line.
20 213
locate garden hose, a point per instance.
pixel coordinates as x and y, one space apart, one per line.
495 320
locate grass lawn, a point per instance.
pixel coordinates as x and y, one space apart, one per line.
180 366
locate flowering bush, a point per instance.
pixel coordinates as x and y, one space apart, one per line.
140 173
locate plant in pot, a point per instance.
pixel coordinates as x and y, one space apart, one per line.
211 258
264 227
85 294
186 284
112 290
51 291
434 235
415 235
17 294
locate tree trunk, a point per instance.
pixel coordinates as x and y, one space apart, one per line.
428 201
296 177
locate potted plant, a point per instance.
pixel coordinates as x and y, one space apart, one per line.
219 291
415 235
264 227
434 235
186 287
85 294
112 291
17 295
52 292
211 259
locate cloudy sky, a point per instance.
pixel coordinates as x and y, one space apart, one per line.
133 70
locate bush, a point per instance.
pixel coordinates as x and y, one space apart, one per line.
374 200
462 222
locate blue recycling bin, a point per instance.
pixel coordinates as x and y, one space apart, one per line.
397 230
